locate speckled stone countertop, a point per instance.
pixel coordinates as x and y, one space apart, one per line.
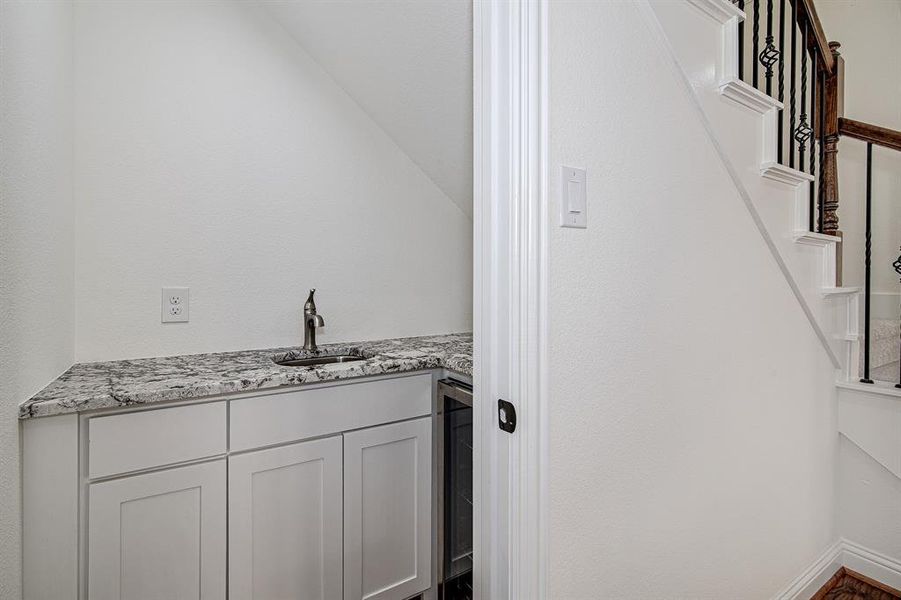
89 386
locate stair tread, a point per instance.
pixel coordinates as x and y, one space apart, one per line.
887 372
849 585
885 388
881 329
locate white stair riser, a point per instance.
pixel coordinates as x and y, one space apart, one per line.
744 121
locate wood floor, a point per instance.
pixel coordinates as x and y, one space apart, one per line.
848 585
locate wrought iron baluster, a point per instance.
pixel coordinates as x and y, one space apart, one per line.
741 43
781 116
755 41
814 76
791 103
821 111
802 133
897 265
769 55
868 249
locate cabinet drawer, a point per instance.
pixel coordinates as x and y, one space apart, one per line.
132 441
306 413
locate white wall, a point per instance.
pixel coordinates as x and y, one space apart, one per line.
692 410
869 496
868 32
36 233
869 501
212 152
408 64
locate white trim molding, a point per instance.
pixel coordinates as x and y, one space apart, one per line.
815 576
778 172
880 567
719 10
510 291
748 96
816 239
840 291
842 553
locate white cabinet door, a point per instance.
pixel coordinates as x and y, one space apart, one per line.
387 511
284 518
159 536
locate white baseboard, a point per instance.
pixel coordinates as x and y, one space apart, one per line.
872 564
815 576
842 553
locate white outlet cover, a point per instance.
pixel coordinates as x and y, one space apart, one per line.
174 304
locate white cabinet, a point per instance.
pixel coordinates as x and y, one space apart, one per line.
159 535
304 494
285 522
387 511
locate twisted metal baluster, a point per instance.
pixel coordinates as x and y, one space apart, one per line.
756 41
897 265
741 42
781 123
868 254
803 131
794 70
769 55
821 111
813 112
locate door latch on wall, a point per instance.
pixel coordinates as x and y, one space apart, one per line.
506 416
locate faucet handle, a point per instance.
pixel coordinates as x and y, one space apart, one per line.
310 305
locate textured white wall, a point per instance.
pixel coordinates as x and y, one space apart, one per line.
212 152
869 496
692 411
868 32
869 501
36 233
408 64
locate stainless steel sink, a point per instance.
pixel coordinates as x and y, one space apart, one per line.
312 361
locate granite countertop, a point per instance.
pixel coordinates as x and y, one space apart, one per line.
89 386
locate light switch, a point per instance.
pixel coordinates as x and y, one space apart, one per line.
573 204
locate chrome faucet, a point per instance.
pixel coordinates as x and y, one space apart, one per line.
311 321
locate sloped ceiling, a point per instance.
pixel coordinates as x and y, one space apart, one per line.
408 64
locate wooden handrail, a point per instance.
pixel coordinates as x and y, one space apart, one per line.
881 136
808 10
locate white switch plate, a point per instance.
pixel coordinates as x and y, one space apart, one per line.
175 304
573 203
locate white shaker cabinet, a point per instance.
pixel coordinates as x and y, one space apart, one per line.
159 536
319 492
387 511
285 522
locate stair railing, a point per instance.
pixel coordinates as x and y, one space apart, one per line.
886 138
792 61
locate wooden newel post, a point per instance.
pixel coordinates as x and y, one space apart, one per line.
834 100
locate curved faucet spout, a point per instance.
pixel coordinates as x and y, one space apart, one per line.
311 320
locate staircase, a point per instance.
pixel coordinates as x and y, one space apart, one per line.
789 184
743 124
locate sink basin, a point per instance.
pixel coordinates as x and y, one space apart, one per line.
312 361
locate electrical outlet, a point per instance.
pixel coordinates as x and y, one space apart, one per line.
175 305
